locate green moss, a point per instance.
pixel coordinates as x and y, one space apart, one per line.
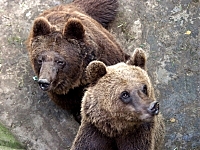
7 140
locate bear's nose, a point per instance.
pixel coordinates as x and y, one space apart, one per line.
154 108
44 84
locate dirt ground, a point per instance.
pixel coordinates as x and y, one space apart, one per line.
167 30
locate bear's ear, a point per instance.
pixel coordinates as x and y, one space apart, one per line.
41 26
74 29
138 58
95 70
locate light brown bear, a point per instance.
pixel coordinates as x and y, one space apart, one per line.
119 111
64 40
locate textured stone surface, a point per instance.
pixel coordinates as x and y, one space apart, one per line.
167 30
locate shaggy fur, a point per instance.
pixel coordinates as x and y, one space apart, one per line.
119 110
104 12
64 40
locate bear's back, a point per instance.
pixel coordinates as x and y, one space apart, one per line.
103 11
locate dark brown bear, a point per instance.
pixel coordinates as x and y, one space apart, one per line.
64 40
119 111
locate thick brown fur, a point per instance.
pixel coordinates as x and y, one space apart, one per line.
118 121
104 12
64 40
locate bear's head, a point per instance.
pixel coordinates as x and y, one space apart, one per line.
121 96
57 54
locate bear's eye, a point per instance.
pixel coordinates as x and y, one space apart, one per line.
39 61
125 97
144 89
59 62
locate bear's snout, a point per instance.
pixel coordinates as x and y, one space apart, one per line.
44 84
154 108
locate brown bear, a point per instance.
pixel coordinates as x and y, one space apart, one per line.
64 40
119 111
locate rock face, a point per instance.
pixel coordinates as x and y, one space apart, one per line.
159 27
